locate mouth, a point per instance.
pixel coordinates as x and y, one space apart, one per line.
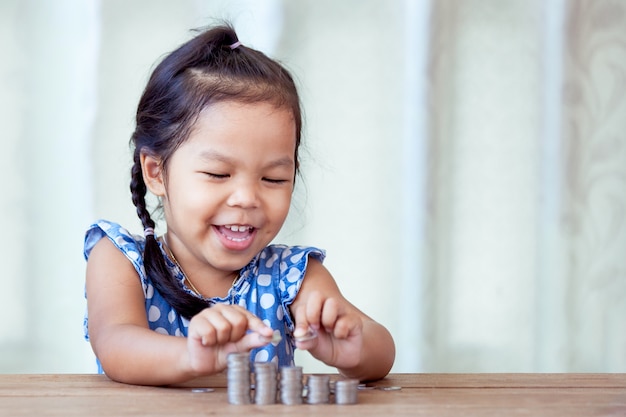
236 232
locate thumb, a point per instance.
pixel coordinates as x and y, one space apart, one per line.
252 340
304 333
259 334
301 323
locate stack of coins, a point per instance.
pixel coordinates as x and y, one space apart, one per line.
265 383
239 378
291 385
318 388
346 391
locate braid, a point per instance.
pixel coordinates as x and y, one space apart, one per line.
138 191
156 268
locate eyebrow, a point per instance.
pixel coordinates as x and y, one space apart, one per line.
214 156
211 155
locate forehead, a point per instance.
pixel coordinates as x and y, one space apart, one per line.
233 128
239 112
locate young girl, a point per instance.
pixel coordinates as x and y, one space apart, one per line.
217 135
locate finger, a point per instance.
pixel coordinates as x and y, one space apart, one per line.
307 341
239 322
202 330
257 325
330 313
250 341
221 329
301 321
347 325
314 309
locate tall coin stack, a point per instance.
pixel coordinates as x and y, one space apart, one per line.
346 391
318 387
265 383
291 385
239 378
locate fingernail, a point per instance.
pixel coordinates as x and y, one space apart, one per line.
308 335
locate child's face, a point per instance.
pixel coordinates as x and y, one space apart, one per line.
229 186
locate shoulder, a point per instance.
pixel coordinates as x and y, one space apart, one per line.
118 235
274 277
285 266
285 262
283 256
131 246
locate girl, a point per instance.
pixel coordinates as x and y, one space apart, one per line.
217 134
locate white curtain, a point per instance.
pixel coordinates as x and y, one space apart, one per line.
464 167
526 228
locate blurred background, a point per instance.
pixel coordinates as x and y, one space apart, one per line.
464 167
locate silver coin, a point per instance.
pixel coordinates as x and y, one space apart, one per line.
346 391
309 335
238 378
389 388
318 389
276 337
265 383
200 390
291 386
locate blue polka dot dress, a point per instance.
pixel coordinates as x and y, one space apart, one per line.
266 287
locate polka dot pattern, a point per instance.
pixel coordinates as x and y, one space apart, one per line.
267 286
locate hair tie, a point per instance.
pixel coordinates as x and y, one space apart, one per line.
235 45
148 231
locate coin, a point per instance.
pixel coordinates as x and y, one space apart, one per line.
309 335
238 378
265 383
389 388
291 385
318 389
346 391
276 337
199 390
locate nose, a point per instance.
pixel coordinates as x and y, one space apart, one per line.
245 194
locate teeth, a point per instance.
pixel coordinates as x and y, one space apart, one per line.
236 228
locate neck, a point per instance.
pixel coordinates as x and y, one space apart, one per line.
187 280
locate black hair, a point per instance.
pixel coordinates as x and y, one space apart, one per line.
211 67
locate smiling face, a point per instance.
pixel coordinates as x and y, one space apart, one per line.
227 189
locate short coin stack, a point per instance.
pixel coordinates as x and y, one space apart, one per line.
239 378
291 385
318 389
346 391
265 383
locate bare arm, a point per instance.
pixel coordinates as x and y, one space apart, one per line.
131 352
349 340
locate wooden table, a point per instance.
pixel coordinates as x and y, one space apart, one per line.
420 395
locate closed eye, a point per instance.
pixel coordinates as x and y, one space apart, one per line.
275 180
216 176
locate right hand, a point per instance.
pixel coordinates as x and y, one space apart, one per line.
219 330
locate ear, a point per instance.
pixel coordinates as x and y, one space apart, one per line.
153 175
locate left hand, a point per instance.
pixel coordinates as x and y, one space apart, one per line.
339 326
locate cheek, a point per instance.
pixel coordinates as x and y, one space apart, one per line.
191 200
281 205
